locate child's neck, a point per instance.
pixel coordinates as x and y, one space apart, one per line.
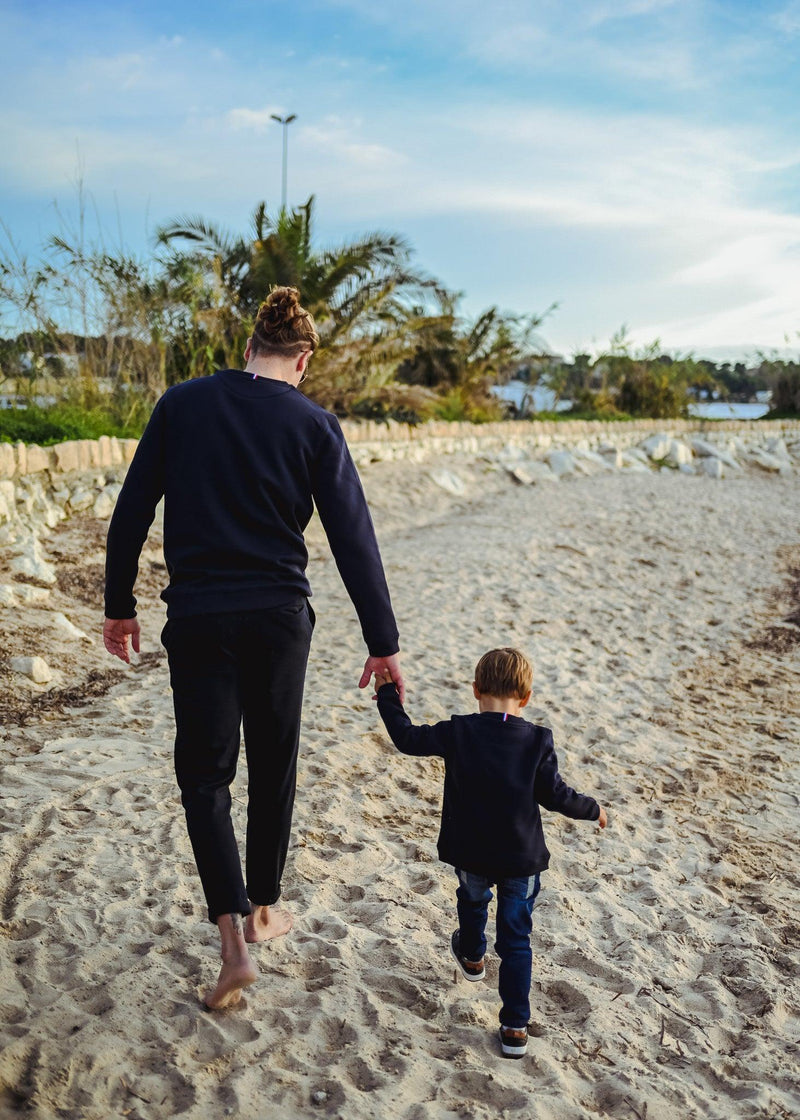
509 704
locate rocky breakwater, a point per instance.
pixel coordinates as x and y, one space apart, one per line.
39 489
714 456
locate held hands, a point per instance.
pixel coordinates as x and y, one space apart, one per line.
602 820
387 671
119 634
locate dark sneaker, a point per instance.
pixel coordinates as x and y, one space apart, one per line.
472 970
514 1041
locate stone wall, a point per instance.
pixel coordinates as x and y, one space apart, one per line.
47 484
371 441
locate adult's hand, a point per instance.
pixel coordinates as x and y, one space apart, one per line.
386 666
119 634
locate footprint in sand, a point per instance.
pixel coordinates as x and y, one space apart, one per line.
475 1087
362 1077
221 1035
568 1000
329 928
404 994
578 961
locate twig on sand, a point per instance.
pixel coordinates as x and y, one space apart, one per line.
587 1053
643 1114
663 1031
132 1091
672 1011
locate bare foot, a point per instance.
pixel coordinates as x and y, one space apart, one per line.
266 922
237 971
233 976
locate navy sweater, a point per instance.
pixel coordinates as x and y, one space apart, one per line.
497 774
241 463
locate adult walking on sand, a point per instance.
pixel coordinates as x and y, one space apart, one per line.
240 458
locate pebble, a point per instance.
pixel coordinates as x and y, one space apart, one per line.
36 668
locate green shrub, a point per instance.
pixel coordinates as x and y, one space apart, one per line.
62 422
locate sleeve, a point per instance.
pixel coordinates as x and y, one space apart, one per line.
552 792
427 739
342 506
133 515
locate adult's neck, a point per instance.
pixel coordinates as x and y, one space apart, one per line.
273 368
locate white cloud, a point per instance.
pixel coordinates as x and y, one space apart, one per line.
653 218
252 120
788 18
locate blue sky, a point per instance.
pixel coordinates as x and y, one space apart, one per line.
636 161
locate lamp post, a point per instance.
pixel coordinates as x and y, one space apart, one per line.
284 122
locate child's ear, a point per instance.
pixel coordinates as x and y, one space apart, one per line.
475 691
525 700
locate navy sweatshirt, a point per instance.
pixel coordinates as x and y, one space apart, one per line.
241 463
497 773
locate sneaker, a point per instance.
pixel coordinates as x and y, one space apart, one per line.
514 1041
472 970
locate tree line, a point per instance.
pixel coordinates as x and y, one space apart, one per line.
107 332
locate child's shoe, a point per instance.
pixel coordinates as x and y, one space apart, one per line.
472 970
514 1041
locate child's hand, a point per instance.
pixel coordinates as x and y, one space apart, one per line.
381 679
602 820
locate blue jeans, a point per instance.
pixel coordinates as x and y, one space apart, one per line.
515 898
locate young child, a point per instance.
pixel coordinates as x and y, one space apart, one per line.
498 770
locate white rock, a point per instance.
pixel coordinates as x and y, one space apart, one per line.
449 481
28 594
679 454
561 463
81 499
103 506
764 460
776 446
585 456
512 452
30 561
712 466
686 468
34 667
636 453
633 463
702 448
657 446
63 623
529 473
613 457
7 596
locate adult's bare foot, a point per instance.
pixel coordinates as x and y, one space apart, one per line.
232 978
237 971
265 922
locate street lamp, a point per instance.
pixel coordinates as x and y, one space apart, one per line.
285 122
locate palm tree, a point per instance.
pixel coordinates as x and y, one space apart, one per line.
347 289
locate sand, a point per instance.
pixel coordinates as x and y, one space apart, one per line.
665 948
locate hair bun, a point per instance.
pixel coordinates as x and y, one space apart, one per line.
283 326
281 306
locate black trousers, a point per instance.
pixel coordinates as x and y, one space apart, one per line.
227 670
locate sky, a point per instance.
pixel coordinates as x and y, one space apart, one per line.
636 162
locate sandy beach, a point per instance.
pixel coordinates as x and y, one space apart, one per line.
654 608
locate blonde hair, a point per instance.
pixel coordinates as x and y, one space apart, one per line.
282 326
503 673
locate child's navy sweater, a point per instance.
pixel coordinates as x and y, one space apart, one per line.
498 771
241 463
